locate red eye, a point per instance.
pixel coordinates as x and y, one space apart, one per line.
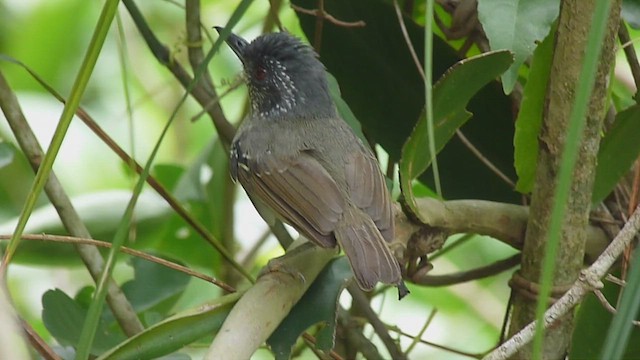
260 73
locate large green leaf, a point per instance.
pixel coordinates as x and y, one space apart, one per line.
618 150
450 97
174 332
318 305
529 118
154 285
383 88
64 316
516 26
592 326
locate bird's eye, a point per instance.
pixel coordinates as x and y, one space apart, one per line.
260 73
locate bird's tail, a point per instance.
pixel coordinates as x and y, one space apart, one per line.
370 258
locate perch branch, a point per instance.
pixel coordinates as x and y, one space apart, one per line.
259 312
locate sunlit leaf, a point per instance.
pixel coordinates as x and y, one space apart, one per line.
516 26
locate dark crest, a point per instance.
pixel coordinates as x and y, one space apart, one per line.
285 77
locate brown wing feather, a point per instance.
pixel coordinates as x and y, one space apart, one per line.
368 190
300 190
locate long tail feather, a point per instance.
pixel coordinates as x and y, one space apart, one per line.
370 258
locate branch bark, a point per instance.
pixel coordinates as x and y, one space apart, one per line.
503 222
571 38
261 309
588 280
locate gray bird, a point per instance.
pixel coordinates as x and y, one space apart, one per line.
295 154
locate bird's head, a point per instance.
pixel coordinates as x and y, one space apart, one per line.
284 76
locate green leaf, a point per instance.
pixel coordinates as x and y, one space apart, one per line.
450 97
529 118
621 328
618 151
153 285
592 326
175 332
516 26
318 305
631 13
63 317
7 152
167 174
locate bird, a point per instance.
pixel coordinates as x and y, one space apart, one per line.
295 154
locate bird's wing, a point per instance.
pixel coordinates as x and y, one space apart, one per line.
368 190
299 189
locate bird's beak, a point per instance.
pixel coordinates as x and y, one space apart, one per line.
236 43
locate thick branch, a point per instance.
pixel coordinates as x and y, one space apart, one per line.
588 280
267 302
89 254
504 222
571 38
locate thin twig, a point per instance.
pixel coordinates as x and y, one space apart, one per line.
355 340
615 280
483 159
272 18
465 141
607 305
308 337
438 346
324 15
38 342
417 338
234 85
407 40
469 275
126 250
630 53
378 326
321 15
